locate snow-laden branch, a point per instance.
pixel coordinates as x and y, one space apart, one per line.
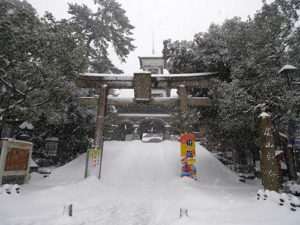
11 86
40 103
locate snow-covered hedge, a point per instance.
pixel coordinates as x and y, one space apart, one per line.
282 199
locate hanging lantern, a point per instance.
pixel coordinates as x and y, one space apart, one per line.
292 74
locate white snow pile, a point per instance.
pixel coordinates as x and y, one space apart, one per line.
264 115
26 125
292 187
141 185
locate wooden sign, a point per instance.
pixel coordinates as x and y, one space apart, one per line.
93 163
51 147
15 159
142 87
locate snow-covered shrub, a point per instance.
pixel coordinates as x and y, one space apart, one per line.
292 187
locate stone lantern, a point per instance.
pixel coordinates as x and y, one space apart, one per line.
51 146
291 73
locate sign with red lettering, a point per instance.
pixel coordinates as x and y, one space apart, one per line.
93 163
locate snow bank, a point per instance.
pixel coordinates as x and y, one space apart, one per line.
141 184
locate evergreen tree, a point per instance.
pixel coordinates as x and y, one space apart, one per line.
107 27
38 60
248 56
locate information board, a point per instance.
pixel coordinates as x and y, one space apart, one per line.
93 163
188 156
15 159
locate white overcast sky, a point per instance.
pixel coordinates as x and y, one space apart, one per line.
175 19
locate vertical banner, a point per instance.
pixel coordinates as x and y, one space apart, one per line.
93 160
188 156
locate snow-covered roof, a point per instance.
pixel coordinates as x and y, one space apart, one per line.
184 74
26 125
277 152
130 77
32 163
111 76
264 115
52 139
142 115
287 67
151 56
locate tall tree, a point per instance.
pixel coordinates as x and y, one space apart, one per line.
38 59
107 27
248 56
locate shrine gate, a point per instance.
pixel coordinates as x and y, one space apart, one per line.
143 83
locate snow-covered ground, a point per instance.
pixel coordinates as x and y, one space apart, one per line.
141 185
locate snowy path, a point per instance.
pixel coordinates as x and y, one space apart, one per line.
140 185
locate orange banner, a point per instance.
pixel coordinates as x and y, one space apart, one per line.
188 156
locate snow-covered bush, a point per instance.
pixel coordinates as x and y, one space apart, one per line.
292 187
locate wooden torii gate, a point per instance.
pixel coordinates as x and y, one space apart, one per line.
142 83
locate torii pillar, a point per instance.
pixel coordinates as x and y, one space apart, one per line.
99 130
183 105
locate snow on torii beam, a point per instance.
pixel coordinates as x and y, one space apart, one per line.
160 101
158 81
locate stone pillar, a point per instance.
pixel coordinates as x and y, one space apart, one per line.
269 168
183 105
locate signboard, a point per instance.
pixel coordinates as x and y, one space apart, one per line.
142 87
188 156
15 159
93 161
51 148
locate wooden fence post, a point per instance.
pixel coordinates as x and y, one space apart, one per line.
68 210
